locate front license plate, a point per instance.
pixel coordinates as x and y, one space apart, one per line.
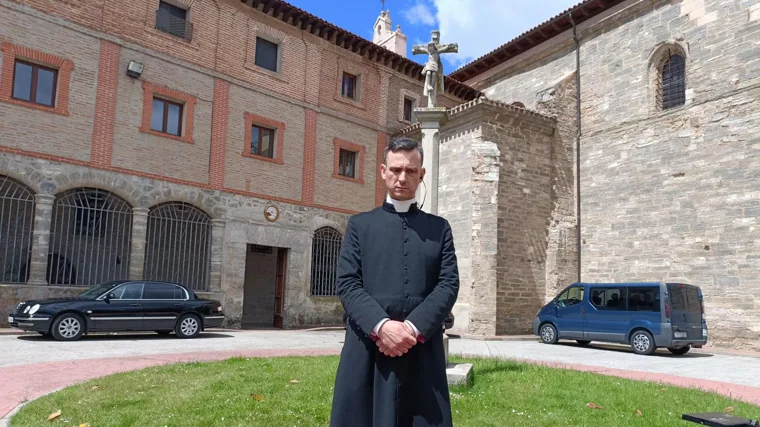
680 334
10 319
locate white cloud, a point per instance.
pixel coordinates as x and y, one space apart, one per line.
480 26
420 13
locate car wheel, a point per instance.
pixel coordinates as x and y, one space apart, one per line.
679 350
188 326
583 342
67 327
642 343
548 333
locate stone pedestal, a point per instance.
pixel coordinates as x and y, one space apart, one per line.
139 239
217 249
43 217
431 120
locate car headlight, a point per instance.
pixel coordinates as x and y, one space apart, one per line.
26 310
34 309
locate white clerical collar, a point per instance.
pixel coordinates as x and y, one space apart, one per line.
401 205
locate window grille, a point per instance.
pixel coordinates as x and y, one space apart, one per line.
673 89
178 246
90 238
325 251
16 226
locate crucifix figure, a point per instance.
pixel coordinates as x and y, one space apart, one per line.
433 69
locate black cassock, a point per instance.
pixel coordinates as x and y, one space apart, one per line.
401 266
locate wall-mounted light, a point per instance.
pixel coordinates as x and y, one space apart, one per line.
134 69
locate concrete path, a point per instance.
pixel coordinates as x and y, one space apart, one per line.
31 366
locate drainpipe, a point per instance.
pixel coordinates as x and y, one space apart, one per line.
577 140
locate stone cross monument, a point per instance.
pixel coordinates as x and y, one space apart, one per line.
433 69
432 117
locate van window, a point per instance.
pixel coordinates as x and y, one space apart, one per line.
684 298
644 299
570 297
612 298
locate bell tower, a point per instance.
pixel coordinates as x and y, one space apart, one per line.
385 36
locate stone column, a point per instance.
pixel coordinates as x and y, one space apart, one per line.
139 239
43 217
431 120
217 250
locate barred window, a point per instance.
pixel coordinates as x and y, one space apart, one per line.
673 82
178 245
325 250
16 223
90 238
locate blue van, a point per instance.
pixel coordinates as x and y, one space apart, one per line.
644 315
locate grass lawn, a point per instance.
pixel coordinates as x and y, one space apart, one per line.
260 392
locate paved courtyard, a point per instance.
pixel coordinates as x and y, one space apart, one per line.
53 365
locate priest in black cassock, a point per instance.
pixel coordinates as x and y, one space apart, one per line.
397 279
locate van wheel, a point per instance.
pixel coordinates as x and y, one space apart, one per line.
583 342
642 343
548 334
679 350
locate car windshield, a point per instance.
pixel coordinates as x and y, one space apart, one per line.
97 290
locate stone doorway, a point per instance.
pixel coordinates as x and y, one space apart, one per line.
264 287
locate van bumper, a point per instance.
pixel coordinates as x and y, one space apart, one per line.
665 339
536 322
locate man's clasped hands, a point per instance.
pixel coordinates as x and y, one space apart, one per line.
395 338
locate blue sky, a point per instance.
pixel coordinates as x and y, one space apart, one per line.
479 26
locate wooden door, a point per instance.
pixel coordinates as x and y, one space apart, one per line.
279 287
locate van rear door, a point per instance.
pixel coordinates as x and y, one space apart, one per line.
685 311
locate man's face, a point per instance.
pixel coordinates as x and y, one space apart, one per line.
402 173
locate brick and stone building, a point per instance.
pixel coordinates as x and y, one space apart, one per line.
617 141
219 144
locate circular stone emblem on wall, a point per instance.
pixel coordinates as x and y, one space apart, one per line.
271 213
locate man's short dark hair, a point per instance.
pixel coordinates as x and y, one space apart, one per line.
402 144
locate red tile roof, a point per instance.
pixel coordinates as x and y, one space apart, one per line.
533 37
305 21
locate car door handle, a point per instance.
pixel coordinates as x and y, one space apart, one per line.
135 305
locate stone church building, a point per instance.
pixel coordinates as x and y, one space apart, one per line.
618 141
223 145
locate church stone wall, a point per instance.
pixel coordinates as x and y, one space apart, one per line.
525 202
664 195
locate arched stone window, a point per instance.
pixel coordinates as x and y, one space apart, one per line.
90 238
178 246
16 223
668 76
325 250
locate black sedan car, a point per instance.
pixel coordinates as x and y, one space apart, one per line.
120 306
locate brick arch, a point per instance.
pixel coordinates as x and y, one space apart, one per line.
657 59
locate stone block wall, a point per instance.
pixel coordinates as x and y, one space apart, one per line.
676 199
525 200
496 191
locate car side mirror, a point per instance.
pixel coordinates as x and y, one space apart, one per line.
110 296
